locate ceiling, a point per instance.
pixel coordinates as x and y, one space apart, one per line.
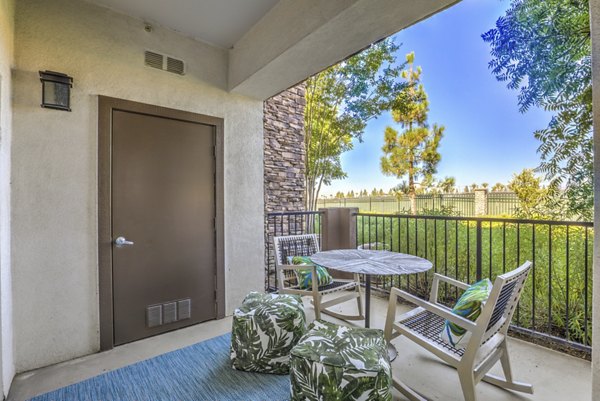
218 22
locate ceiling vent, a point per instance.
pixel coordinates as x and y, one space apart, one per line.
163 62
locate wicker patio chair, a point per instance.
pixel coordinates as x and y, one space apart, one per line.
307 245
487 344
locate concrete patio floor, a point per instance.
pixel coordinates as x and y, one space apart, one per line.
554 375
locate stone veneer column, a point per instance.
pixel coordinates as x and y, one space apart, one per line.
284 167
285 156
481 202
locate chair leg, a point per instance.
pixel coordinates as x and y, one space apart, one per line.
507 383
467 382
317 306
505 362
388 331
359 300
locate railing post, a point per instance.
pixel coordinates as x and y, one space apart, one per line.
481 202
338 228
338 231
479 255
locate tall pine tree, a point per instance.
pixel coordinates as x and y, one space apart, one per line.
412 153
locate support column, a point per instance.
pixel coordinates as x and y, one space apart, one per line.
338 231
481 208
595 26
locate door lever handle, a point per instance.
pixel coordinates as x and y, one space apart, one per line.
122 241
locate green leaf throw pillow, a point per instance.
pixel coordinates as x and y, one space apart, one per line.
469 306
304 276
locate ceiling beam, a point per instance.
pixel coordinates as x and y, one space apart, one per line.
297 39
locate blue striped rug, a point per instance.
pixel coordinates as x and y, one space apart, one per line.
198 372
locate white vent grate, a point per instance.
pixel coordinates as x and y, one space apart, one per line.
153 60
184 309
169 312
154 316
175 66
163 62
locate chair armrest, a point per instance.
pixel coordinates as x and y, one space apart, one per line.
294 267
313 268
435 309
435 285
451 281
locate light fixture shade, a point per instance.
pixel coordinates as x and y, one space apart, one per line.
56 90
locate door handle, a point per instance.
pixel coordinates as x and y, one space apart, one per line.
122 241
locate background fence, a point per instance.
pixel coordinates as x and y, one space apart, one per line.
502 203
459 204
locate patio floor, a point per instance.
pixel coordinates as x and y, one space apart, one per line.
554 375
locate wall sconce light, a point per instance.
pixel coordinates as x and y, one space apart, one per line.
56 90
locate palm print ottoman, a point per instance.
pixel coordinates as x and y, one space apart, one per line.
265 329
333 362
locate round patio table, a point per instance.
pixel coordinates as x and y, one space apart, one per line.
371 262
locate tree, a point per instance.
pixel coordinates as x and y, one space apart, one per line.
474 186
413 152
339 195
531 194
400 190
339 102
350 194
543 50
374 192
447 184
498 187
426 185
485 185
466 189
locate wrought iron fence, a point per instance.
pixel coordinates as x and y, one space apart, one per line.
556 303
502 203
286 223
460 204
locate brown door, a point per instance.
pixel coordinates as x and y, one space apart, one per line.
163 216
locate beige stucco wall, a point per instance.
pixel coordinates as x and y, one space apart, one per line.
54 153
6 61
595 23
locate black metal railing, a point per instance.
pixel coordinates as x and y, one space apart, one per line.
286 223
556 303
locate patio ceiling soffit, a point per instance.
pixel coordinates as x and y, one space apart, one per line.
297 39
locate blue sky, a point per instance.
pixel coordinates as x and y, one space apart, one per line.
487 139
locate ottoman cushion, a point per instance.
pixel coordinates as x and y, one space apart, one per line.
333 362
265 328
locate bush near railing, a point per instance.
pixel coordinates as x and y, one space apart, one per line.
556 302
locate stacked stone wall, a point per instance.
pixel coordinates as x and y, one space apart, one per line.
284 151
284 167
